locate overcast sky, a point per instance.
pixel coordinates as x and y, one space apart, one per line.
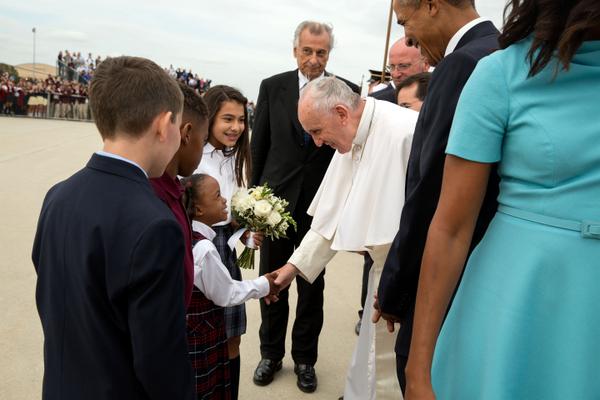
237 43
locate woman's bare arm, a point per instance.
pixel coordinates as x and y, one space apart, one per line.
448 241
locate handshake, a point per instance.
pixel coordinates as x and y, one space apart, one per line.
279 280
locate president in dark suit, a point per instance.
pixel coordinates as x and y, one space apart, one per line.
453 38
285 157
109 253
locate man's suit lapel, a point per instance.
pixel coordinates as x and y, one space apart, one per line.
290 92
289 96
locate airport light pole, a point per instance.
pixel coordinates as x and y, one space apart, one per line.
33 31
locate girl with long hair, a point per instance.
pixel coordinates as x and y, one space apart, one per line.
227 158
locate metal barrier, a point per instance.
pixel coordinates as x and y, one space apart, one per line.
51 105
68 107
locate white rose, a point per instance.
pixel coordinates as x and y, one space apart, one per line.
235 200
262 208
274 218
242 201
247 203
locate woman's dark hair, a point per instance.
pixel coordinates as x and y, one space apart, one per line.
214 98
192 192
558 28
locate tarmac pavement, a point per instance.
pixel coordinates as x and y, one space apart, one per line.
37 153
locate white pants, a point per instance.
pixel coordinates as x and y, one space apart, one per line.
372 371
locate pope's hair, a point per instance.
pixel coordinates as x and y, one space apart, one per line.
327 92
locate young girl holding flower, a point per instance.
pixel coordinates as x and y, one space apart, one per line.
205 206
227 158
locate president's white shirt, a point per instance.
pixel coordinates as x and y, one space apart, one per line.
460 33
213 278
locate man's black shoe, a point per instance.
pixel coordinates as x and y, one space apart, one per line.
307 377
265 371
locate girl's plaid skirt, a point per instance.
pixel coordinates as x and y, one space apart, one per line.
235 317
207 347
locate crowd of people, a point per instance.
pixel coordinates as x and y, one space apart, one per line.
52 97
66 94
467 190
75 67
193 80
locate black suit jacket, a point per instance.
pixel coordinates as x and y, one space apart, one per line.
387 94
399 279
280 155
109 259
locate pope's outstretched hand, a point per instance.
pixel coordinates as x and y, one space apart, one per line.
285 276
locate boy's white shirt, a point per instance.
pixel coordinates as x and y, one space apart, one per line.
213 278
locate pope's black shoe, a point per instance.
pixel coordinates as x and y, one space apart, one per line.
265 371
307 377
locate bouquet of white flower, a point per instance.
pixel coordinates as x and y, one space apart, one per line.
259 210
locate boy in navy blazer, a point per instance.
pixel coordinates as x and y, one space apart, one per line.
109 254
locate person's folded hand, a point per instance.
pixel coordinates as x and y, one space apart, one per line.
390 320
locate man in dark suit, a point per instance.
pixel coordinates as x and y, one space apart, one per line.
109 254
285 157
453 38
388 93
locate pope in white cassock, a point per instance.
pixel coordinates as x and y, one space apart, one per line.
357 208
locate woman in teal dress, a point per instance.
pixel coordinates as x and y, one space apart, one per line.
525 320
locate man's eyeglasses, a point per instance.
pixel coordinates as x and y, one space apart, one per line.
307 51
398 67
